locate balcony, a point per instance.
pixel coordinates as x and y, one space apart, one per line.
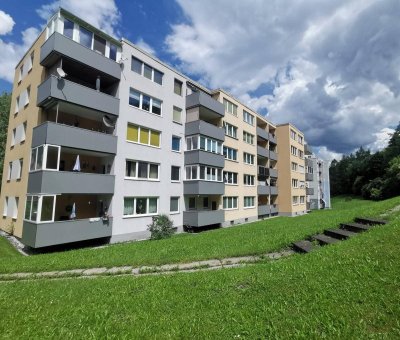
55 182
37 235
200 127
262 133
272 138
73 137
309 177
263 189
273 190
54 89
198 218
263 209
309 191
204 157
57 45
273 173
203 188
274 209
263 152
209 107
273 155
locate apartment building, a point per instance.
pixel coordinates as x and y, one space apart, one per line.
317 181
291 165
104 136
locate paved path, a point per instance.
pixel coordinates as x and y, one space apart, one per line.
147 270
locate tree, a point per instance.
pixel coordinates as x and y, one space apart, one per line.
5 103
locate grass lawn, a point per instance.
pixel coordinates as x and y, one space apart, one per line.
7 251
350 290
250 239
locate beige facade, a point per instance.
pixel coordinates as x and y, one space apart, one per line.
291 166
24 116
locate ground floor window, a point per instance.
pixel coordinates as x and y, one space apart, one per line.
249 202
137 206
230 202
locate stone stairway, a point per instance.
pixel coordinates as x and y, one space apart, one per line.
331 236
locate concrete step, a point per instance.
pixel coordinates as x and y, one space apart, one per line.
324 239
303 246
355 227
369 221
339 233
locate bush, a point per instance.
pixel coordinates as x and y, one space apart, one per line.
161 227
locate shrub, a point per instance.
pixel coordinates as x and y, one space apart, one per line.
161 227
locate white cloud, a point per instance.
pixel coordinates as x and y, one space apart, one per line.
11 53
145 46
334 64
103 14
6 23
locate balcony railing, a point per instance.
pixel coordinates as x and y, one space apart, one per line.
200 218
200 127
204 157
262 133
200 99
261 151
203 188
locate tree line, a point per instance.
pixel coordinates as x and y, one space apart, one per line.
373 176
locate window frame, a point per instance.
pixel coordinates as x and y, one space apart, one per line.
141 101
39 208
172 212
135 198
140 127
137 178
179 173
44 158
232 199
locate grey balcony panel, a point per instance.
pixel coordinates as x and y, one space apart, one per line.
58 45
263 209
205 129
263 152
273 155
65 90
308 161
262 133
273 208
204 157
197 218
73 137
201 99
272 138
263 189
65 182
273 190
309 177
54 233
273 173
203 188
309 191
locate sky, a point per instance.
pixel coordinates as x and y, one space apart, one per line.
332 68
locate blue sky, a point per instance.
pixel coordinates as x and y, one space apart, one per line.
329 67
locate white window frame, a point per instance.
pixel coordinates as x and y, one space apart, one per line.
207 143
232 151
179 205
5 207
44 161
178 109
248 180
39 209
252 199
212 170
230 130
225 175
248 157
230 107
147 206
233 199
148 171
179 172
248 118
141 94
248 138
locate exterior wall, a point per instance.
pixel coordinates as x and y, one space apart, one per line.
30 115
240 190
286 174
136 227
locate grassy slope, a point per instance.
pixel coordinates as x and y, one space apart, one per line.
348 290
253 238
7 251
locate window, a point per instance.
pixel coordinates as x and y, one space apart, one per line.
293 134
230 202
230 153
137 206
45 157
136 65
202 172
142 170
300 140
230 177
174 205
144 102
13 137
68 28
113 52
248 202
177 115
203 143
175 173
302 199
10 166
206 203
16 105
230 130
157 76
142 135
52 157
295 200
301 154
248 158
230 107
20 73
176 143
293 150
192 203
301 184
85 37
295 183
178 87
30 61
99 45
27 95
5 207
294 166
248 138
40 208
248 180
21 163
248 118
146 70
